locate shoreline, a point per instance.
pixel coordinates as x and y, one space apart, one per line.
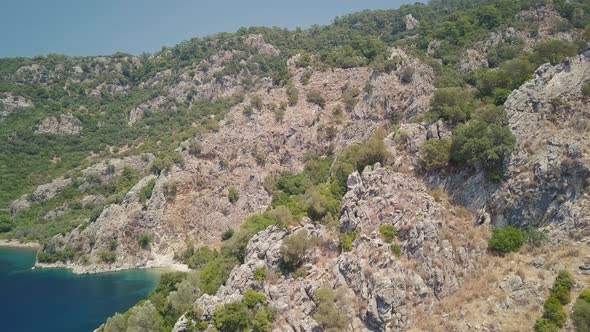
20 245
88 270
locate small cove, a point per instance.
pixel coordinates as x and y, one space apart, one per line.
58 300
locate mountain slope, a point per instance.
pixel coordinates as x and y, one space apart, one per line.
366 160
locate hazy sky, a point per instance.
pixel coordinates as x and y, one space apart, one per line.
93 27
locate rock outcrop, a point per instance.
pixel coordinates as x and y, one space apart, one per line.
64 125
10 104
545 21
547 175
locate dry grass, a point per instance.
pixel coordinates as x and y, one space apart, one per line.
477 300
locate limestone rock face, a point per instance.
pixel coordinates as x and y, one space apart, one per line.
41 194
257 42
411 22
106 235
547 174
10 104
386 288
64 125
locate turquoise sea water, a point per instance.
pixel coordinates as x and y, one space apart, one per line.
57 300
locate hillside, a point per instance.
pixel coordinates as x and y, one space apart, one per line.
354 176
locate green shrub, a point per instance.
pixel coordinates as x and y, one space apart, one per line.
282 216
586 89
396 249
500 96
315 97
435 154
292 94
585 295
553 311
322 205
581 312
294 184
233 195
144 240
214 274
236 246
505 240
256 102
345 240
197 258
107 257
262 321
253 298
295 248
545 325
227 234
535 237
54 256
388 233
562 286
407 75
146 191
260 274
306 77
194 148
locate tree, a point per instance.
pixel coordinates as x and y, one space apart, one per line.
117 323
144 318
185 295
453 105
6 223
295 248
484 141
554 51
331 312
231 317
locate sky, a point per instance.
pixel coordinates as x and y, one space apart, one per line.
93 27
